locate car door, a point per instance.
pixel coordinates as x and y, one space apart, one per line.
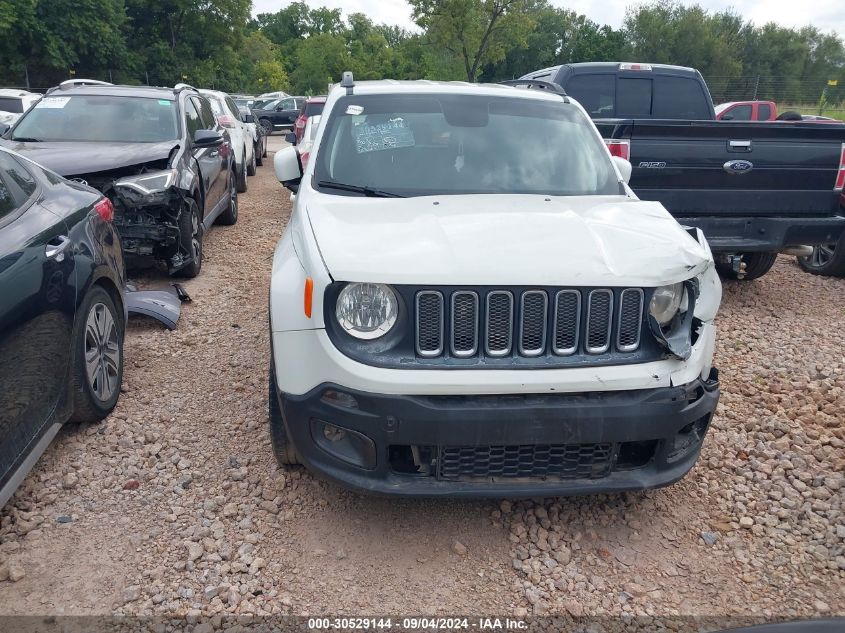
37 309
286 113
210 160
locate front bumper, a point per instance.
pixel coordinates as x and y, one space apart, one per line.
765 234
501 445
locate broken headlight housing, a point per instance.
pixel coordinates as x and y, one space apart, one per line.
149 183
670 316
367 311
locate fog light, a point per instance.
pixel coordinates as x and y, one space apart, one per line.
339 399
333 434
346 445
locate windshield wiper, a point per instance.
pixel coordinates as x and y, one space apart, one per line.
25 139
367 191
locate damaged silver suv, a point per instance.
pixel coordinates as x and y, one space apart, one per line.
159 155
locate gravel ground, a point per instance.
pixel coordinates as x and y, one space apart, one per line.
174 505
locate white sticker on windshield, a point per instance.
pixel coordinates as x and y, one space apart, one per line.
355 110
52 102
376 137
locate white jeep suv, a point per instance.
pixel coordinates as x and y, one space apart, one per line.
469 300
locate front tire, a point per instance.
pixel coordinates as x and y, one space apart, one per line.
259 154
190 239
267 125
756 265
97 358
230 214
282 446
827 259
242 184
250 169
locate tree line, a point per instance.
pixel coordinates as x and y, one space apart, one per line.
302 49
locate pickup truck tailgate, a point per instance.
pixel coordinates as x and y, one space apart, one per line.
720 168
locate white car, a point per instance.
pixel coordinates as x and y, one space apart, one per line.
242 138
469 300
14 102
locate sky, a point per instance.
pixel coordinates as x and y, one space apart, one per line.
827 15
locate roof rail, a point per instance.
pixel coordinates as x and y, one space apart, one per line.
181 86
71 83
536 84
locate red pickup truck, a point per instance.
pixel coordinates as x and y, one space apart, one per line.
747 111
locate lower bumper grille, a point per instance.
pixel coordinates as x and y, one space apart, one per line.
556 461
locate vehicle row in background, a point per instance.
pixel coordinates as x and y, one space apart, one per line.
159 154
13 103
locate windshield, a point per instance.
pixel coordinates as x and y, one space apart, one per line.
99 118
454 144
313 108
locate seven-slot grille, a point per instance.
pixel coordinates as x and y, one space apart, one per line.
531 323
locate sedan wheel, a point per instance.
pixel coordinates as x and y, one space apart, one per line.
97 357
102 352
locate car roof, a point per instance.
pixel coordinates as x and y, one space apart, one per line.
425 86
17 92
151 92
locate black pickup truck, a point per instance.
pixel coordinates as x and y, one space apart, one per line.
754 188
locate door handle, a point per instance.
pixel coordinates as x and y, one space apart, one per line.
56 247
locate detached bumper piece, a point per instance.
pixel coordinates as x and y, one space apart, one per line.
501 446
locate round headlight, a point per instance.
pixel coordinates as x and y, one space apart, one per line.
665 302
367 311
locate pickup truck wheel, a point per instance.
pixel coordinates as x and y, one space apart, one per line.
190 238
827 259
267 125
756 265
282 446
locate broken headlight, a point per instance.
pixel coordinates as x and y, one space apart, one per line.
367 311
670 315
150 182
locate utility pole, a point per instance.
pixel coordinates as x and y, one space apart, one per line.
26 73
756 86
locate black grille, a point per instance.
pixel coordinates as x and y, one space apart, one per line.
630 319
557 461
499 330
567 321
532 330
500 323
599 315
464 323
429 323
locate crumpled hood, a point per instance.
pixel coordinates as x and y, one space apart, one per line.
504 240
72 158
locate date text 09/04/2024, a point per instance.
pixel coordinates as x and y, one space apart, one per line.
417 623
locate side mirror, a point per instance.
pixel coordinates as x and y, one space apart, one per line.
207 138
280 108
290 137
727 117
624 168
4 127
288 168
248 118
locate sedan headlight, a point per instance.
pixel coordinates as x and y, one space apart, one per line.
150 182
367 311
665 303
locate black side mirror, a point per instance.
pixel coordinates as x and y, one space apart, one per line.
248 118
4 127
207 138
290 137
728 117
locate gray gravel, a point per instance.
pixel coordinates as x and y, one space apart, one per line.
174 504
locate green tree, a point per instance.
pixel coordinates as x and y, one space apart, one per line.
477 32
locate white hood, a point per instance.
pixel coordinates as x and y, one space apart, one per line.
503 240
